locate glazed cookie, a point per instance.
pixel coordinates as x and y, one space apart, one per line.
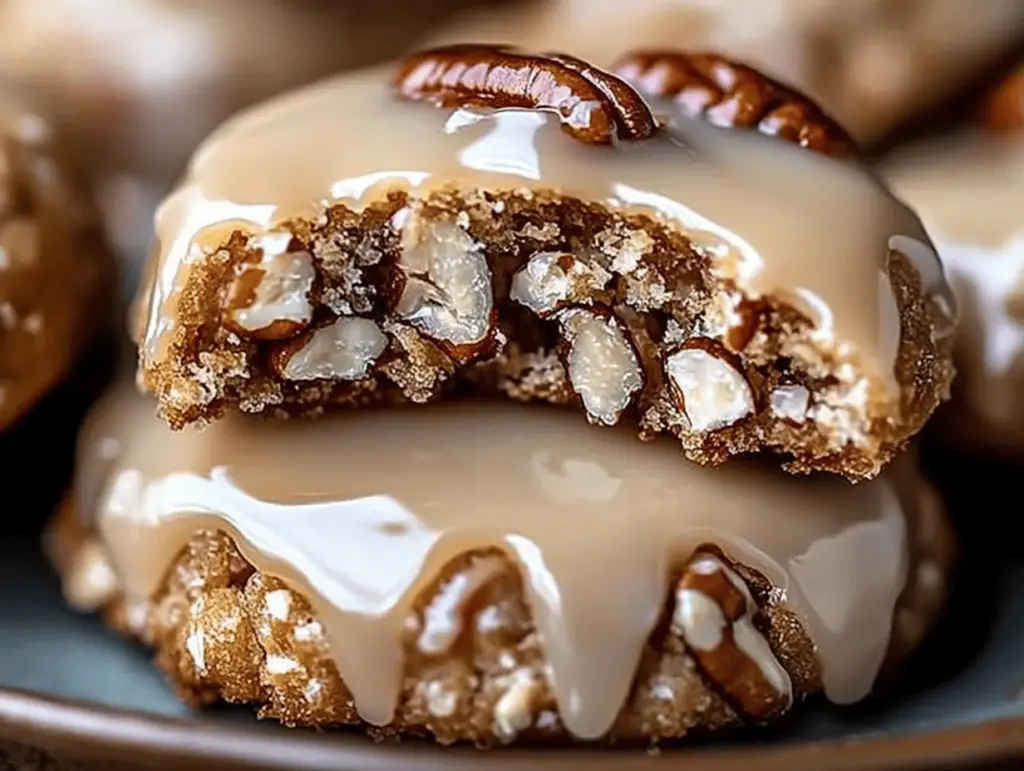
707 260
55 271
672 600
874 64
969 190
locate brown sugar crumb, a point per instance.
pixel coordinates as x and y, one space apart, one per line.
540 297
223 631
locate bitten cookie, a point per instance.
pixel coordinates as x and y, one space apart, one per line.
524 578
874 64
56 274
707 260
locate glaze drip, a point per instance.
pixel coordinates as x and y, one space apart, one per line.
774 218
361 511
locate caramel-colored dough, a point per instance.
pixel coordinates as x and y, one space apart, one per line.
425 554
873 64
500 250
56 274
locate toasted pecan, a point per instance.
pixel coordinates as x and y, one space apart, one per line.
732 94
747 675
595 106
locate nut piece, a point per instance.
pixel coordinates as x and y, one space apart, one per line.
542 285
602 365
714 614
447 292
713 392
595 106
731 94
513 712
346 349
549 280
270 300
446 615
790 402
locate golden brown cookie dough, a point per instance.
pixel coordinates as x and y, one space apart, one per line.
140 82
872 63
969 190
725 272
671 600
56 276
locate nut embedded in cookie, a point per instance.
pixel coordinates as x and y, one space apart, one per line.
541 581
531 225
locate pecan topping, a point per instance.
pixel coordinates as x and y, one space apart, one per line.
715 614
595 106
728 93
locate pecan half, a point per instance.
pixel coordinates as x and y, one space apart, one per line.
594 106
714 614
728 93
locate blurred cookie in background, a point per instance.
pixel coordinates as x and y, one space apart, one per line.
969 190
138 83
873 64
55 270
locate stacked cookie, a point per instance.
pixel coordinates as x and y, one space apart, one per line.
449 369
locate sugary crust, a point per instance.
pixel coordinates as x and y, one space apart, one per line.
649 282
224 632
55 270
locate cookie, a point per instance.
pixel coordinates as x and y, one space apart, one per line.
139 83
969 189
399 569
707 260
874 65
55 271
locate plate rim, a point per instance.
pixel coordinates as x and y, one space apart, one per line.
88 731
